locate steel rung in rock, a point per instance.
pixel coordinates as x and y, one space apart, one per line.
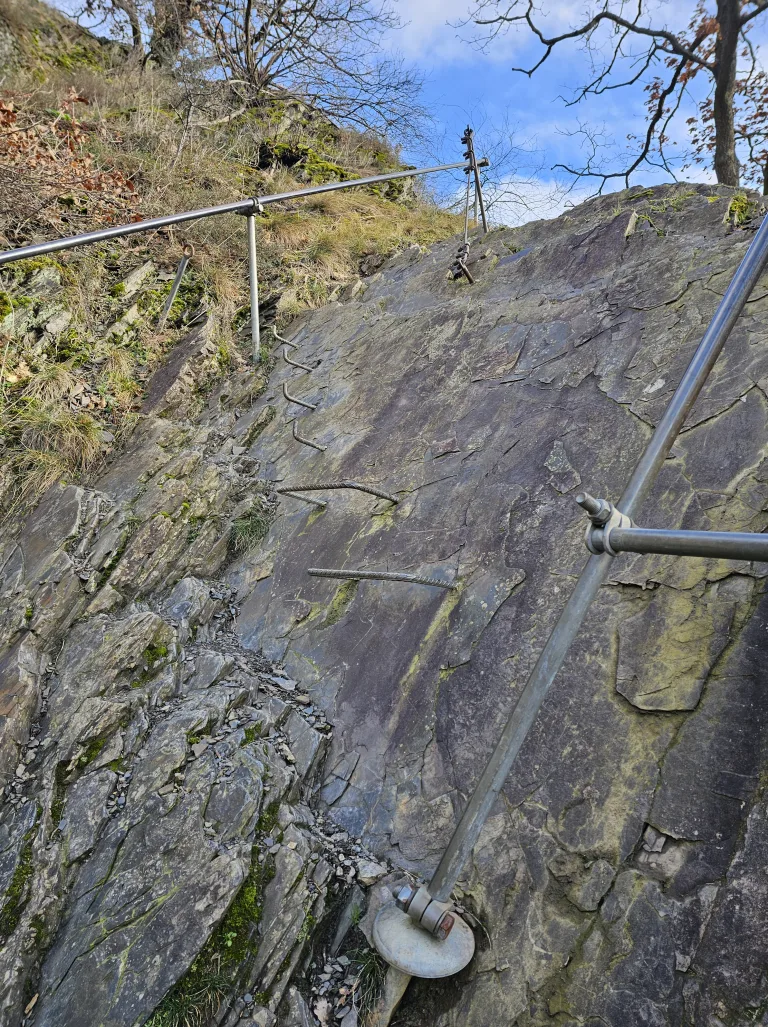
285 342
415 579
298 402
308 442
319 503
330 485
295 363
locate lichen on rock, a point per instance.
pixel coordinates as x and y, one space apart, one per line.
206 748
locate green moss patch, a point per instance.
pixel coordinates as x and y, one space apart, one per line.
741 210
92 750
344 595
213 974
16 896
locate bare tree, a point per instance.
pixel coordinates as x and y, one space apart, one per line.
114 13
328 54
170 22
750 122
627 50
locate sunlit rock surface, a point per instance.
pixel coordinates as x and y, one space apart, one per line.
178 713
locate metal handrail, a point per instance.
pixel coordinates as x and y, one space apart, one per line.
249 208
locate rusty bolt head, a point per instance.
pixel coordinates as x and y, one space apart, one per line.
403 896
444 926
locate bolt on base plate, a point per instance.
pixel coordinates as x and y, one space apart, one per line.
405 945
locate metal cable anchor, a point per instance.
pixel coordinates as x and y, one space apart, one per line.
459 266
433 916
604 517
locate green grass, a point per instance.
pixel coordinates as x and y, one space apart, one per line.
214 973
248 531
371 970
135 130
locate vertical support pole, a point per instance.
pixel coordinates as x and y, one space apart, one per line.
253 277
469 140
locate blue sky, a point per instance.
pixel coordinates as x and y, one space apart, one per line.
465 83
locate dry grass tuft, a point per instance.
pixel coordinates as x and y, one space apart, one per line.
46 428
52 382
100 144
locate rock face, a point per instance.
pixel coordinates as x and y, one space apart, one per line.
168 693
624 851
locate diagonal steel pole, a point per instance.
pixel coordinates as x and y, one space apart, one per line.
596 571
187 254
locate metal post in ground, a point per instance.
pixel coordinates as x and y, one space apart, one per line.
469 141
253 280
429 906
186 255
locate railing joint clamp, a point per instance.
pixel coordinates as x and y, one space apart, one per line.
603 517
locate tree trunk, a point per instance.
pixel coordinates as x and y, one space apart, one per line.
171 20
726 56
129 9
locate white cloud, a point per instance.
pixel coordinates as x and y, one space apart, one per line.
430 34
516 201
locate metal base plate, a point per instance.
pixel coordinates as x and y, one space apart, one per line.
411 949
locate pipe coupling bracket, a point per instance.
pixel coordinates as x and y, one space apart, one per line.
434 917
603 518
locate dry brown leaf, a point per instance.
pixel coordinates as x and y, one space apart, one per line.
323 1011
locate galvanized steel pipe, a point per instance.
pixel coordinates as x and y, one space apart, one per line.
596 571
247 206
253 287
187 253
721 545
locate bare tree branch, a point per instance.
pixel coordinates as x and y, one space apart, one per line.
325 53
675 44
708 46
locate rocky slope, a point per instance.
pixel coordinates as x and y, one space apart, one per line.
197 731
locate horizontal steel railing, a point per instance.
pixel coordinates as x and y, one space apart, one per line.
721 545
247 206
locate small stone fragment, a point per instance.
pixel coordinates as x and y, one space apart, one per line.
369 872
682 962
